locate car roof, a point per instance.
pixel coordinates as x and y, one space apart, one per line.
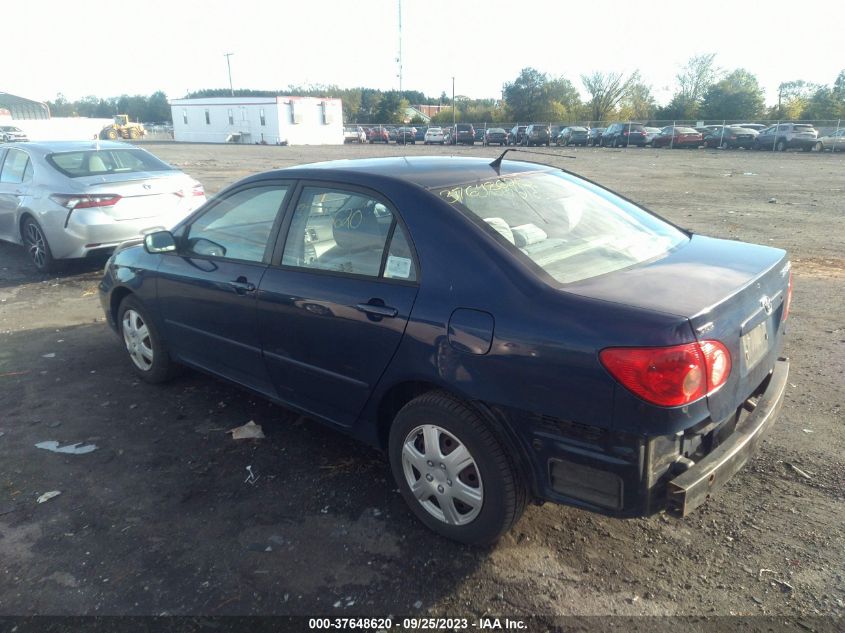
49 147
424 171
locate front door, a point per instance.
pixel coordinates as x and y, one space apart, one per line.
331 315
208 287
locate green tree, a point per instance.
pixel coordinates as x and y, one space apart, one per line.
533 96
694 79
444 117
606 90
825 104
793 98
638 103
390 108
737 96
526 94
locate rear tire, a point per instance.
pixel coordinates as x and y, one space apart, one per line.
425 433
37 246
780 146
112 134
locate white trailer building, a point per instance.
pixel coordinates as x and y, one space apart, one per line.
271 120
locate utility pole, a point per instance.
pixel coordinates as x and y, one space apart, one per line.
229 66
399 59
454 119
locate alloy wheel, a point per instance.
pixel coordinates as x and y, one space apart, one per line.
442 474
36 245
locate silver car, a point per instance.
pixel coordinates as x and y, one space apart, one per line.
12 134
75 199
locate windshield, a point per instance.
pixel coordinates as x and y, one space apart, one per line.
106 161
570 228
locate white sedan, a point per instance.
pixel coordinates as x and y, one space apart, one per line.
434 135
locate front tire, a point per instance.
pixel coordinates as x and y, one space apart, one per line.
144 345
455 475
780 146
37 246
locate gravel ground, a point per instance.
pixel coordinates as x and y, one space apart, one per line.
159 519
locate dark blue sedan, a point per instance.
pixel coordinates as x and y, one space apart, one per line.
507 332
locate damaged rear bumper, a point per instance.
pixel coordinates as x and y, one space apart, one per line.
692 488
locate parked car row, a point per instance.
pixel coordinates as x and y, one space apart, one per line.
778 137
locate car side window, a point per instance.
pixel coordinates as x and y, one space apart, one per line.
337 230
239 226
16 168
400 260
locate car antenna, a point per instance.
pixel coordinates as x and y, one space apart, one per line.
496 164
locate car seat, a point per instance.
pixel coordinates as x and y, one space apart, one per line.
359 242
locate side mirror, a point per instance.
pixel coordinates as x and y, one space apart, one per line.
160 242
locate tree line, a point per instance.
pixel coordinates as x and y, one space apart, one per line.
703 91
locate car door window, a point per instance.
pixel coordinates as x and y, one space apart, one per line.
239 226
339 231
400 260
16 168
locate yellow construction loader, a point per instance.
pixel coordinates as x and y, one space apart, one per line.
122 128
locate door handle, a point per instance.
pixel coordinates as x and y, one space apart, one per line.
377 310
242 286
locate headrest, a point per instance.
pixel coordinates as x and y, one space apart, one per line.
527 234
357 229
95 163
501 227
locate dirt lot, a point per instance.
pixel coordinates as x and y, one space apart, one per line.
159 518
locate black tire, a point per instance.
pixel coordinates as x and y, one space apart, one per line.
780 146
112 134
37 246
161 368
504 492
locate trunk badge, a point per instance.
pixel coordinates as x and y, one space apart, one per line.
767 304
146 186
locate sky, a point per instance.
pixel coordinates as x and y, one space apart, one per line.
90 47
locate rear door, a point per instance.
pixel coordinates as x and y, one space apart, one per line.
207 290
15 181
332 312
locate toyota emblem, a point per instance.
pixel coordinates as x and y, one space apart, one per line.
147 186
766 303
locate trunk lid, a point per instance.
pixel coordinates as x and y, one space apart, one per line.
143 194
729 291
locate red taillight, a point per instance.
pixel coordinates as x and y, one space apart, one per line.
788 302
73 201
670 376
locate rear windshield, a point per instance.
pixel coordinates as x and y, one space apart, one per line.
684 130
106 161
569 228
804 127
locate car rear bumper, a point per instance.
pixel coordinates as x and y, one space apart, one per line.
90 230
626 475
689 490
